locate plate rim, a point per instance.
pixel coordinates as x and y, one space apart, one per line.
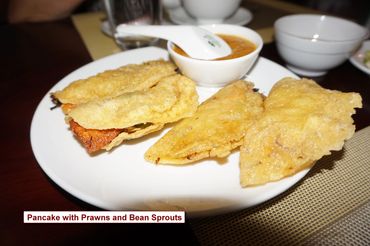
357 63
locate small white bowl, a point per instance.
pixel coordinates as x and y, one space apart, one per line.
210 11
313 44
218 73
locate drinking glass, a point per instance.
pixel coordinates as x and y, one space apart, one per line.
133 12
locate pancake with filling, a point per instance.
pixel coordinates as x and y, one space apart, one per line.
301 123
214 130
112 83
103 124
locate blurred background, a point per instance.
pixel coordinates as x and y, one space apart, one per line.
358 11
42 10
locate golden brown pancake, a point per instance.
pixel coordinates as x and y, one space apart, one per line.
104 124
111 83
126 103
301 123
214 130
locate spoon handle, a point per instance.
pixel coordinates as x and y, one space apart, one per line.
195 41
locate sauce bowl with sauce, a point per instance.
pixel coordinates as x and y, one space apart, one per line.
246 45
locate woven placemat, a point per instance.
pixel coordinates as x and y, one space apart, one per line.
352 229
324 207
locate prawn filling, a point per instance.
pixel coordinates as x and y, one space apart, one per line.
94 140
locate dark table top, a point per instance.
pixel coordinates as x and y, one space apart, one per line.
33 58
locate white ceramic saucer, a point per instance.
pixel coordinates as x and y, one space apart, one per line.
179 16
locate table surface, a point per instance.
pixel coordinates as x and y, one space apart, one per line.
33 58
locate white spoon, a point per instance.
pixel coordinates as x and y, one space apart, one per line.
195 41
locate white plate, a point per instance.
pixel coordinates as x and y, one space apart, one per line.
358 58
179 16
123 180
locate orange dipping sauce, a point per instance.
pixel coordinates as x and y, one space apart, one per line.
239 47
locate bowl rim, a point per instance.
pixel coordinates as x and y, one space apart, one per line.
254 52
365 35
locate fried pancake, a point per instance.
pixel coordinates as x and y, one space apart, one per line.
132 115
214 130
173 98
111 83
301 123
